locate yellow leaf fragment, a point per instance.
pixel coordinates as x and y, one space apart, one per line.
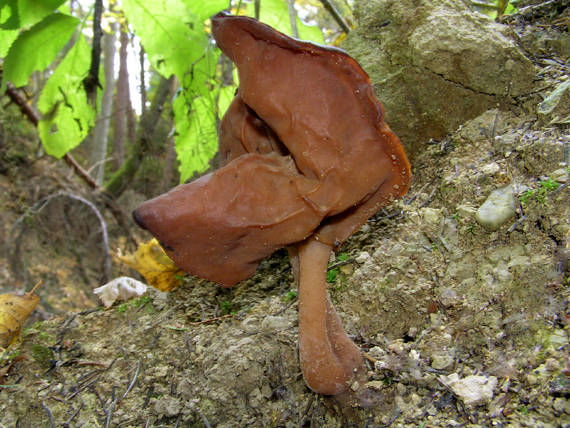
151 261
14 311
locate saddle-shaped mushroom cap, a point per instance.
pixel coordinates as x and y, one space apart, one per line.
307 159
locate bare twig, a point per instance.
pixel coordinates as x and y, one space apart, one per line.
89 379
133 380
518 222
393 418
370 358
209 320
107 262
42 203
336 15
111 409
280 311
148 395
204 420
67 423
50 416
341 263
306 411
293 18
17 98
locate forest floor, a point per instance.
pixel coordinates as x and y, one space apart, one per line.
461 325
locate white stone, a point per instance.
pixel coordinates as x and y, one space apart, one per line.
490 168
431 216
364 256
472 390
497 209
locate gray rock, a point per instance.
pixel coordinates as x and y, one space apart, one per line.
363 257
168 406
271 323
441 361
435 63
560 175
555 109
448 297
497 209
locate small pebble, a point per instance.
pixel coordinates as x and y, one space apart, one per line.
363 257
497 209
448 297
472 390
431 216
375 385
441 361
559 175
490 168
561 405
272 323
397 347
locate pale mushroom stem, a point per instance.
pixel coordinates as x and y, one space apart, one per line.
329 359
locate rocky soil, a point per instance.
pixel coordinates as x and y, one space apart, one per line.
461 324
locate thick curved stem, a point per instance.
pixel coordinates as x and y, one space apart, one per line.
329 359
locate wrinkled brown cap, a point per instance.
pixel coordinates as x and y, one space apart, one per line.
306 151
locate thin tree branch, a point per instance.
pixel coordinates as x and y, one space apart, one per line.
293 18
336 15
17 98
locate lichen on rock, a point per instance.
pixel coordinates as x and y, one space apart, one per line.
436 64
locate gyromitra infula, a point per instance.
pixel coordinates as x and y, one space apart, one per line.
307 159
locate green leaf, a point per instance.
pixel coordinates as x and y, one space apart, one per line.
276 14
332 275
67 114
9 19
172 36
199 77
37 47
32 11
203 10
7 37
197 138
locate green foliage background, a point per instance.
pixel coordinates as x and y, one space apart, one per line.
175 35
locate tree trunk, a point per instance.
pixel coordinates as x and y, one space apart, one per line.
143 82
101 130
170 156
122 103
146 133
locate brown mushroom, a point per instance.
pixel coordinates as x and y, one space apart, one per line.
307 159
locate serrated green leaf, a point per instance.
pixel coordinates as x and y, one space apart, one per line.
37 47
32 11
197 138
172 36
276 14
9 19
7 37
227 95
198 77
67 115
172 33
205 9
